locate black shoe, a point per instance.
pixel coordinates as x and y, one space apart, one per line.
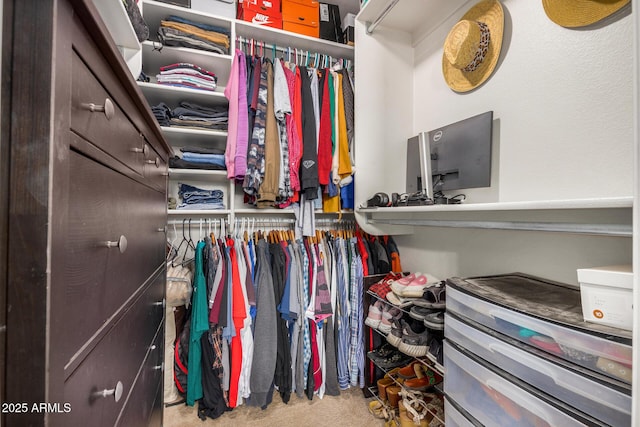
382 352
394 360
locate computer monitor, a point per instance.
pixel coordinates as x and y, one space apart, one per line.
461 153
419 166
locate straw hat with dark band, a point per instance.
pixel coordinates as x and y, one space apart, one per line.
579 13
472 48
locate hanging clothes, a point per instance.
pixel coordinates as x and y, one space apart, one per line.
265 336
287 318
199 325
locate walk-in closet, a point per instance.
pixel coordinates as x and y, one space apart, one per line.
319 212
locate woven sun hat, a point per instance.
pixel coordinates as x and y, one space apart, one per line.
472 47
580 13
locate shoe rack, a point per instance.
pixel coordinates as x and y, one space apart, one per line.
428 362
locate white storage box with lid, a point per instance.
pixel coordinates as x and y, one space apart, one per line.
543 314
493 400
594 394
607 295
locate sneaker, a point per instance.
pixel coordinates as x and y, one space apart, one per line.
414 288
399 301
388 316
394 337
433 297
435 320
414 342
398 285
383 287
375 315
419 313
435 353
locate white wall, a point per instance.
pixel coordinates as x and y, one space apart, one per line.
562 102
563 110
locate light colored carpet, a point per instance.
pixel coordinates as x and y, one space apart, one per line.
350 409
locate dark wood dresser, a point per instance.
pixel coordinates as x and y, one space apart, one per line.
85 179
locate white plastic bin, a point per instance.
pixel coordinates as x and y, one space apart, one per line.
495 401
595 395
544 315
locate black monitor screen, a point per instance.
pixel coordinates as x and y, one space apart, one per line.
461 153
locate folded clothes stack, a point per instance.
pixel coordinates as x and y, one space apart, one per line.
162 114
184 74
191 115
199 158
180 32
198 198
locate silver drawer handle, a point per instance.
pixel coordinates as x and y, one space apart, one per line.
115 392
121 244
144 150
155 161
107 108
162 303
162 229
158 367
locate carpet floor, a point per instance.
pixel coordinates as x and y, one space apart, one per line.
350 409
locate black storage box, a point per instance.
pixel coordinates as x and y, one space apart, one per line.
330 23
348 36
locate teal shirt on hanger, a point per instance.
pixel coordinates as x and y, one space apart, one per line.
199 325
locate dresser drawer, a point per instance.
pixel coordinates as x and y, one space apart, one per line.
140 404
96 116
98 389
494 400
595 395
156 171
106 206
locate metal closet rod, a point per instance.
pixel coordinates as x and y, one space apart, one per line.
303 54
372 26
195 222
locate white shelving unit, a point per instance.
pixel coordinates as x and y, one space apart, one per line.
154 55
115 17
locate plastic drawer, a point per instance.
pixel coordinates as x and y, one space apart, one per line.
592 394
543 314
495 401
454 417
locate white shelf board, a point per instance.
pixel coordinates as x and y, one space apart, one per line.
287 39
194 212
155 55
172 95
199 174
598 216
417 17
178 136
597 203
266 211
